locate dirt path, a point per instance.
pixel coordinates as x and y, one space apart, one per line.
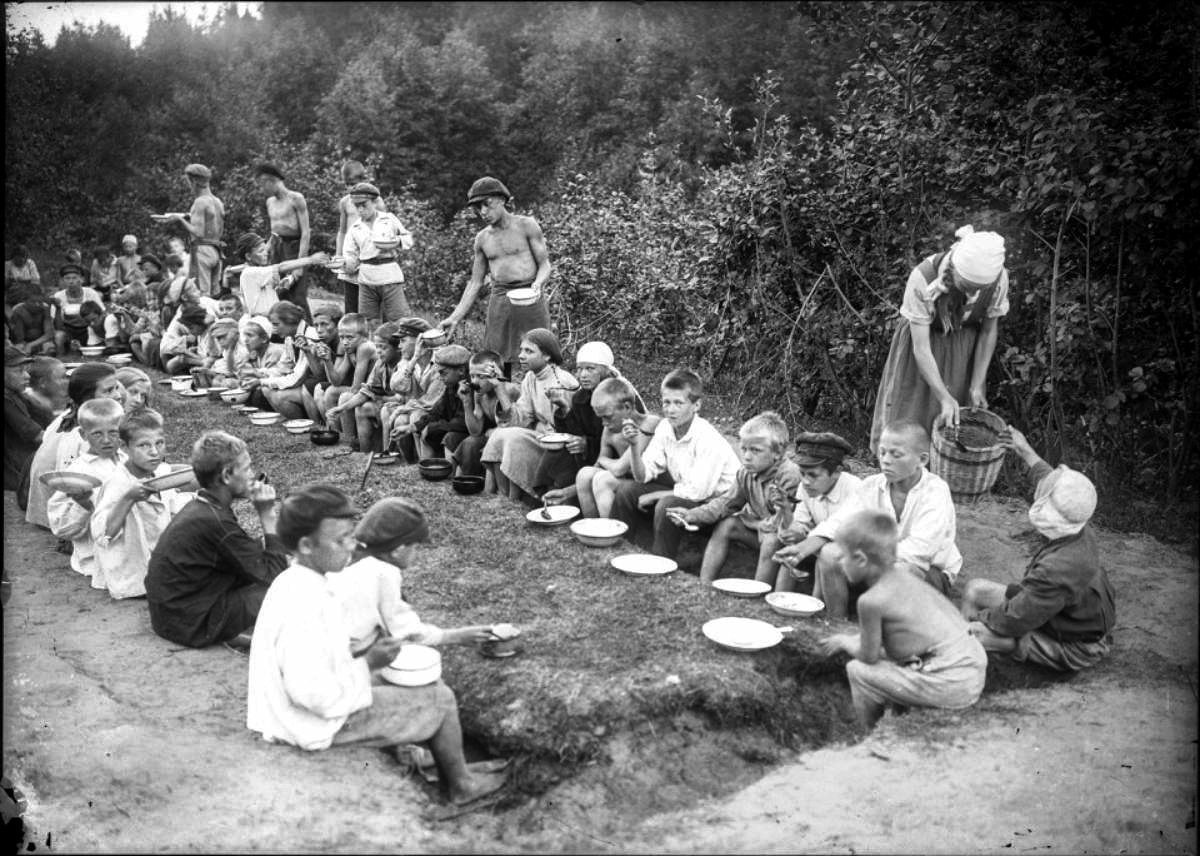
121 741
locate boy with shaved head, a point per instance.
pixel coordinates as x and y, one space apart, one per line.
615 402
920 504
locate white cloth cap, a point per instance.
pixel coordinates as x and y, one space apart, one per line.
261 320
129 239
1063 503
978 256
596 353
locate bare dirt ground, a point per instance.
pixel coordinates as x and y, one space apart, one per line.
122 742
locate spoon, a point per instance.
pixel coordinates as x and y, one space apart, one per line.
546 509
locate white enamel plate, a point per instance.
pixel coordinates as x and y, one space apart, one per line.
742 634
643 564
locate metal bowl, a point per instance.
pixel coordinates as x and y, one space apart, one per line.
435 469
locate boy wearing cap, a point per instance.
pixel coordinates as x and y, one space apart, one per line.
825 490
22 432
207 576
1061 614
414 386
439 430
287 212
371 247
750 512
511 250
685 463
260 285
353 172
307 689
615 403
205 222
69 323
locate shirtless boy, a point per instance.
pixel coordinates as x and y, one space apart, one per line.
205 222
512 251
912 647
287 212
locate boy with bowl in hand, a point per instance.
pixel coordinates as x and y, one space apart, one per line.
490 407
912 647
750 512
129 518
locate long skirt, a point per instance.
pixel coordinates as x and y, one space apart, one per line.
903 393
518 452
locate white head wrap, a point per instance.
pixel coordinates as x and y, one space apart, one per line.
262 321
978 256
596 353
129 239
1063 503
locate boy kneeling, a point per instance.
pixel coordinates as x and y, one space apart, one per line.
307 689
913 647
1061 613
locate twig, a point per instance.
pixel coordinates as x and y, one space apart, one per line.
836 288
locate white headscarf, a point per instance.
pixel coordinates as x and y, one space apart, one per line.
1063 503
978 256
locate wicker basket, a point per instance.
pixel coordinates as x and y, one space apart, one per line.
969 457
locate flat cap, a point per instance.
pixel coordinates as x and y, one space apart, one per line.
72 268
814 449
365 188
413 325
198 170
485 187
153 259
452 356
391 523
14 356
268 169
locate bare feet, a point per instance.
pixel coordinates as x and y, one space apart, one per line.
477 786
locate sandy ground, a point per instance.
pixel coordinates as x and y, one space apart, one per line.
123 742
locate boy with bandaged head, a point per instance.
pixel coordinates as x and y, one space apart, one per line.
1062 611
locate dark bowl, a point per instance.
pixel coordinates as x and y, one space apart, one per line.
435 469
467 485
324 437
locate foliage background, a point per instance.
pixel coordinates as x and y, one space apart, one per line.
739 186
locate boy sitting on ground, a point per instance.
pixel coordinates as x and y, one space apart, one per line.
129 518
180 345
1062 611
105 273
912 647
918 501
615 402
307 688
750 511
686 463
31 326
259 359
439 430
490 407
71 513
24 424
359 411
347 370
415 386
825 490
229 305
47 390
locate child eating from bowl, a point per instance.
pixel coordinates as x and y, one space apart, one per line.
440 429
615 403
489 408
359 411
129 517
415 387
912 647
751 510
71 513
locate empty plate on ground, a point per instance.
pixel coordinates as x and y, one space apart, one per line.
559 514
794 604
69 482
742 634
643 564
742 588
193 393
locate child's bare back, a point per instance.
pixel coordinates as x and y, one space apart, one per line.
914 617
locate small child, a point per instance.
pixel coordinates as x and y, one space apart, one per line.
359 411
751 511
615 403
180 345
71 514
173 287
825 490
686 463
105 273
918 501
229 305
490 407
1060 615
912 647
439 430
129 517
415 386
129 262
258 359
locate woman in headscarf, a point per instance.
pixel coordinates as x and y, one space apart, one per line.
941 351
512 454
62 442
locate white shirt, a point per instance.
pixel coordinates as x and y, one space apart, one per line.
299 368
122 559
69 519
814 513
926 526
58 449
258 285
369 591
360 244
303 681
701 462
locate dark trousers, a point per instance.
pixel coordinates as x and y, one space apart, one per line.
350 290
666 534
469 454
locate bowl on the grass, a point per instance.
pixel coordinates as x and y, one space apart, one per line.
264 418
387 459
467 485
214 392
120 359
180 383
324 437
793 604
298 426
435 469
91 350
245 409
598 531
234 396
415 666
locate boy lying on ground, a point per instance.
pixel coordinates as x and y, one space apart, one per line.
751 511
912 647
307 689
1062 611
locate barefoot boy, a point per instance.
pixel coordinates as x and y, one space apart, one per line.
488 407
71 513
825 490
918 501
307 689
749 512
616 403
912 647
686 462
1062 611
129 517
361 409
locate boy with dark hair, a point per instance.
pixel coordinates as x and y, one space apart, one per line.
22 430
105 273
488 408
439 430
685 463
31 325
